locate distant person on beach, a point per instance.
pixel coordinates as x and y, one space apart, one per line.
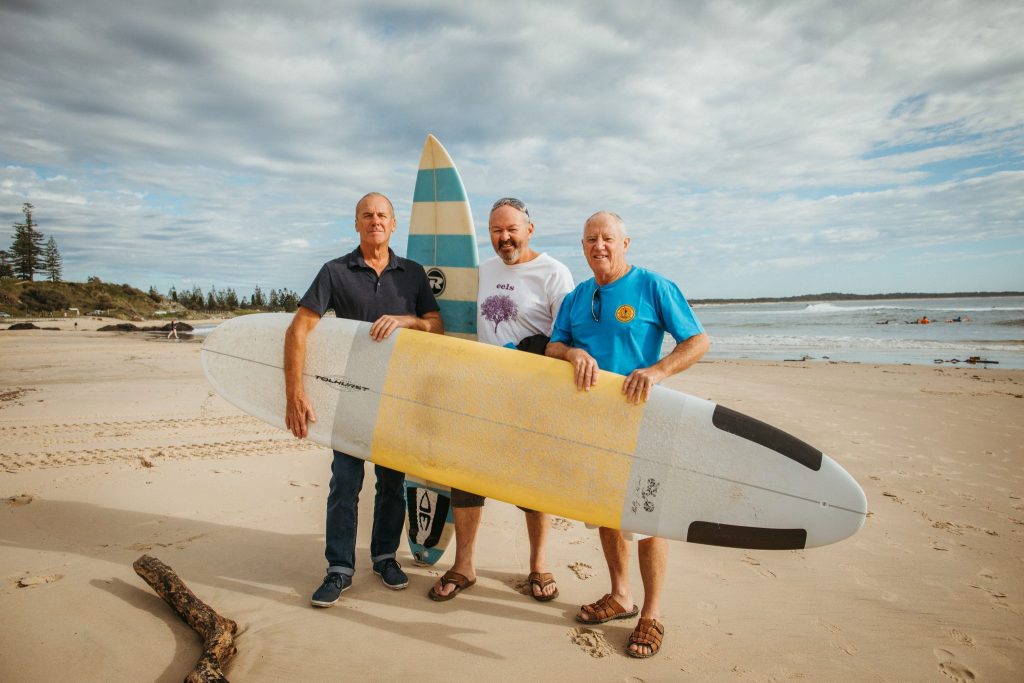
616 321
924 321
519 296
174 330
373 285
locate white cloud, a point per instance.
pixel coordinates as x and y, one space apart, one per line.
228 143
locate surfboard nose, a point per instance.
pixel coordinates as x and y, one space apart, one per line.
844 504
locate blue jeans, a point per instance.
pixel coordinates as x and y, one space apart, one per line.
343 517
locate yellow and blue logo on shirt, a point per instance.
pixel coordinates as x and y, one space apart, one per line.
625 313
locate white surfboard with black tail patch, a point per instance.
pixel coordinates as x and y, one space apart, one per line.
512 426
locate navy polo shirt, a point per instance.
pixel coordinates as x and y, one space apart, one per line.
353 289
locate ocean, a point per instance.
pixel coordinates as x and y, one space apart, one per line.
864 331
870 331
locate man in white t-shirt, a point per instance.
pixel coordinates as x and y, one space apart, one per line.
518 300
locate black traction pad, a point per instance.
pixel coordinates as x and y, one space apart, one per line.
750 537
729 420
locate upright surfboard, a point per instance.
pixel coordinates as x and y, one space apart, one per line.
512 426
443 241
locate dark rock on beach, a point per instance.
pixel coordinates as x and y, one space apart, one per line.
128 327
30 326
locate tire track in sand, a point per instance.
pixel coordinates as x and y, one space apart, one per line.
155 453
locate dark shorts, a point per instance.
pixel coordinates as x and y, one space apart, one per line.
465 499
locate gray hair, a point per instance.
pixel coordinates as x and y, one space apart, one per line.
616 218
516 204
375 194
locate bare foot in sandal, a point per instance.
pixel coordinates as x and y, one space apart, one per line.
605 609
645 641
542 586
449 585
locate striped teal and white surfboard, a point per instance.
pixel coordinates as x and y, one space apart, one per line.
443 241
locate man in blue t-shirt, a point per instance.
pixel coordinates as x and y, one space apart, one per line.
374 285
616 321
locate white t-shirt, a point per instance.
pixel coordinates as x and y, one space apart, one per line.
515 302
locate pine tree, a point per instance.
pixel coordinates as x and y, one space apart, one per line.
258 300
6 269
54 263
27 250
288 300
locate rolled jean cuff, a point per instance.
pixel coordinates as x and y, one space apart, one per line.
339 569
378 558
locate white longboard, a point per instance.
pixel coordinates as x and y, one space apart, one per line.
512 426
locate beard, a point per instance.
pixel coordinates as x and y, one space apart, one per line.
509 258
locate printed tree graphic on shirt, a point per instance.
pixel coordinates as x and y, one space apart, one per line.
499 308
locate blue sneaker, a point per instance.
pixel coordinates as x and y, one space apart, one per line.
391 574
335 583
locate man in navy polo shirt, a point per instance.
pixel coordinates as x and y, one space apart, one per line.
616 321
373 285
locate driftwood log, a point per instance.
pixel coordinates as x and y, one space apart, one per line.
216 631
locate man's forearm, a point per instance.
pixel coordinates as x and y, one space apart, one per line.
295 349
433 323
294 360
685 354
557 350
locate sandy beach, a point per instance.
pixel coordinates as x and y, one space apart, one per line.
113 445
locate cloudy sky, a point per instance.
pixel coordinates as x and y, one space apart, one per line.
753 148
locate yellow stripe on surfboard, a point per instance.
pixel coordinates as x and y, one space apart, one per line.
475 419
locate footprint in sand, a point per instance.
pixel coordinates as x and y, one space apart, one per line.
28 581
561 524
952 668
582 570
949 526
961 637
19 500
830 627
590 641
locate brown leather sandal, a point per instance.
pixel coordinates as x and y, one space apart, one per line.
540 581
647 632
456 579
605 609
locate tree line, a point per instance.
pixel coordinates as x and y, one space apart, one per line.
228 300
28 255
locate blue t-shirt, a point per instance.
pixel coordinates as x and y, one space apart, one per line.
633 314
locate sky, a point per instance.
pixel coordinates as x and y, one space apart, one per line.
752 148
